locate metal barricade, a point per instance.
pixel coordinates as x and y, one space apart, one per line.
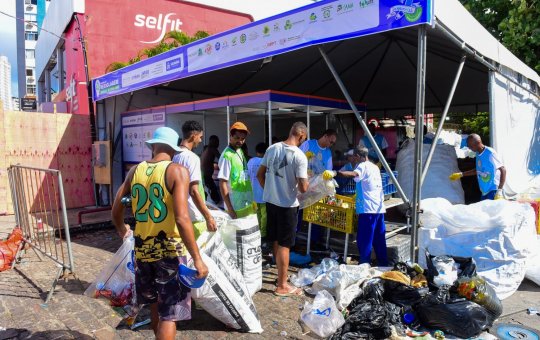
40 212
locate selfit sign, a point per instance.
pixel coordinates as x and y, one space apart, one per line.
163 23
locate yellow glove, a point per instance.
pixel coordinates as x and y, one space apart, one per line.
379 165
499 195
455 176
328 175
310 155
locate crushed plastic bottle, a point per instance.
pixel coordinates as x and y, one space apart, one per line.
283 333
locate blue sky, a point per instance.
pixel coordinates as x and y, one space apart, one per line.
8 45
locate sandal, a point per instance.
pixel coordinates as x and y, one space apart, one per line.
295 291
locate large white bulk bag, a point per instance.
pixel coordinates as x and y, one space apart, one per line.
499 235
436 184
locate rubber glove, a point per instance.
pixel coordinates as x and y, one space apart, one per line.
499 195
379 165
328 174
455 176
310 155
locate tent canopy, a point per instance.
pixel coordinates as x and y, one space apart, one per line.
378 69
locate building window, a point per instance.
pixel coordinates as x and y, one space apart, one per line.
30 36
30 54
31 89
30 17
29 72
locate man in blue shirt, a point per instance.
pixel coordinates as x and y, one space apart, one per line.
253 166
319 158
490 171
379 139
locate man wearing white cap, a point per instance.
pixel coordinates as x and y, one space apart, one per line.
159 192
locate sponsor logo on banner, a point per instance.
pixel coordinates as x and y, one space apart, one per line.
276 27
253 35
234 41
345 8
313 17
217 46
163 23
243 38
106 86
288 25
366 3
412 11
199 52
208 49
266 30
173 64
326 13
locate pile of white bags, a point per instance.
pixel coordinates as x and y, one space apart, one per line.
224 294
436 184
499 235
242 237
533 265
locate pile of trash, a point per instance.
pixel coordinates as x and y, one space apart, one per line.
448 297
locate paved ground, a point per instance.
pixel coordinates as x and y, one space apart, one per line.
71 315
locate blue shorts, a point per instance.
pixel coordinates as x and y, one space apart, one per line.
158 282
489 196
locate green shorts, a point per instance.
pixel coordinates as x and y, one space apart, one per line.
261 217
199 227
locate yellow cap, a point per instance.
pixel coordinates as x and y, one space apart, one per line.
239 126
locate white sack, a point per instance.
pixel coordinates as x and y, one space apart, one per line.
533 266
242 237
436 184
499 235
224 294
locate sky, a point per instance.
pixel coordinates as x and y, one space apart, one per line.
8 45
259 9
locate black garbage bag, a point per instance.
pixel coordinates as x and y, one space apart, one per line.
467 266
371 289
403 295
457 316
370 319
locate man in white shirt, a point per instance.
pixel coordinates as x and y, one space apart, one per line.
200 215
282 174
369 207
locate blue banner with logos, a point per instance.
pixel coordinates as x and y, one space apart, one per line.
321 22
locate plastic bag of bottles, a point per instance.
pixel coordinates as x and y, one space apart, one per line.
476 289
116 282
318 189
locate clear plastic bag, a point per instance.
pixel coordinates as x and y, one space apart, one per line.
116 282
322 317
307 276
318 189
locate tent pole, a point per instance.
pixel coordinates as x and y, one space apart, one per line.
308 122
420 102
204 126
363 124
492 81
269 122
443 118
228 119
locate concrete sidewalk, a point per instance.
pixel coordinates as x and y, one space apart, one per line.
71 315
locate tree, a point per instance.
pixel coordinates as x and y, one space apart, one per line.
171 40
513 22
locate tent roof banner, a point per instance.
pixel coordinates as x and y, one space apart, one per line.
321 22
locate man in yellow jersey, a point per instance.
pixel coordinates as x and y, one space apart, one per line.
159 192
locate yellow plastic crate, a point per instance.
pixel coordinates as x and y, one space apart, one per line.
335 217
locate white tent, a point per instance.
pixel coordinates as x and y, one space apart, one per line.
397 56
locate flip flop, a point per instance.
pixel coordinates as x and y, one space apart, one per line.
295 291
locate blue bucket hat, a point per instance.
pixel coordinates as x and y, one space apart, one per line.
164 135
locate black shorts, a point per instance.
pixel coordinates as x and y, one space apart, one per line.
158 281
281 224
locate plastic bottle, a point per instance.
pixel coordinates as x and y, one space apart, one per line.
476 289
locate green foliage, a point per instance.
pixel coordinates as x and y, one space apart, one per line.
171 40
514 22
478 124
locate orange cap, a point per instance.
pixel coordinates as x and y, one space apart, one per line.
239 126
